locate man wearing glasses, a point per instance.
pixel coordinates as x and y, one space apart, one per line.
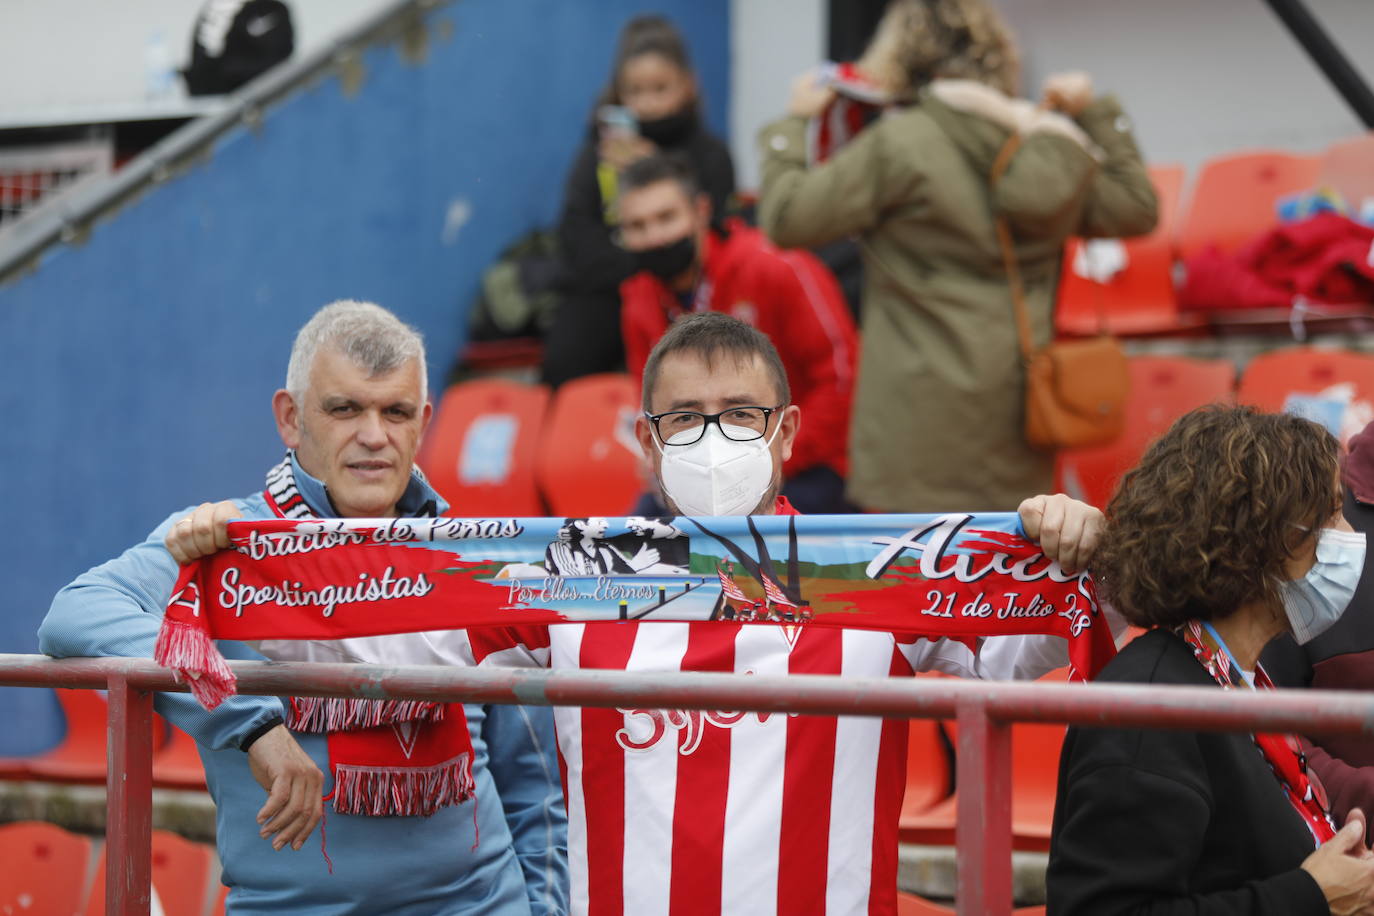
724 812
677 811
690 263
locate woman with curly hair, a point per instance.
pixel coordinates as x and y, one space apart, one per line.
938 415
1228 533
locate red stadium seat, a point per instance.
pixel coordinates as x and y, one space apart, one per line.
928 776
588 461
1335 387
1035 774
1234 198
81 755
1035 778
479 451
176 765
14 767
45 870
1163 388
1140 298
182 873
934 825
1348 167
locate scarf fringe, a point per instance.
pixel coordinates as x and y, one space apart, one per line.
322 715
195 660
403 791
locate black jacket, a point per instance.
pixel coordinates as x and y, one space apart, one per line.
593 263
1170 822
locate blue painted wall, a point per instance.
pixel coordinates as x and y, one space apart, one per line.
137 368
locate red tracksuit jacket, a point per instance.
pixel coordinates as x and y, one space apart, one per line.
788 295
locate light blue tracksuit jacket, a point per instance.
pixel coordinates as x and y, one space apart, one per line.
397 865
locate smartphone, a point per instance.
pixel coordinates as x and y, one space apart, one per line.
617 119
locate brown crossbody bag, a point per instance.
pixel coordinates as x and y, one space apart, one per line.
1075 390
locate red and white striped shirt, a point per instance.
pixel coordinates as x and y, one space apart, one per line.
684 812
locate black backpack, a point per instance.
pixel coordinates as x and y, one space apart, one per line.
520 291
234 41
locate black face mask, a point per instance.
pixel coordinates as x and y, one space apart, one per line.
670 261
669 131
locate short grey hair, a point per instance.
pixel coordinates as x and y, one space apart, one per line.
373 338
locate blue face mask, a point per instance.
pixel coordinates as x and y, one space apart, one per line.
1317 600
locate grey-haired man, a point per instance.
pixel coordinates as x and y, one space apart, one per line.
352 415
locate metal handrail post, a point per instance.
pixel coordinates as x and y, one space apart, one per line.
129 781
982 832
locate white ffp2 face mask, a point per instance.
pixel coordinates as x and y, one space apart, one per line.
1317 600
716 475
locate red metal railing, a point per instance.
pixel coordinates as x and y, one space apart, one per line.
984 710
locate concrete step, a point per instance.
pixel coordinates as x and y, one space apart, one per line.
929 871
81 808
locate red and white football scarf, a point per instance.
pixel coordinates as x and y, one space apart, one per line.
387 757
957 575
858 102
1287 762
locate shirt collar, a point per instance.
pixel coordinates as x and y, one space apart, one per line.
419 499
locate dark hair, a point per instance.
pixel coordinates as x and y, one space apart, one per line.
713 334
671 166
1203 524
645 35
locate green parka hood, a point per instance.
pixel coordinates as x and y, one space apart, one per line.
1040 186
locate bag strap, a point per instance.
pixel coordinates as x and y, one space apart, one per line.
1004 240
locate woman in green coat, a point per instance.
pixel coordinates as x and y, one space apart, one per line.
939 407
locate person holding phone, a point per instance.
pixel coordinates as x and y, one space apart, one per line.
650 104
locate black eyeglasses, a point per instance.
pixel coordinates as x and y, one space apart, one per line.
686 427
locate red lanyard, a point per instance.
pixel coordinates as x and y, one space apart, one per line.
1287 762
